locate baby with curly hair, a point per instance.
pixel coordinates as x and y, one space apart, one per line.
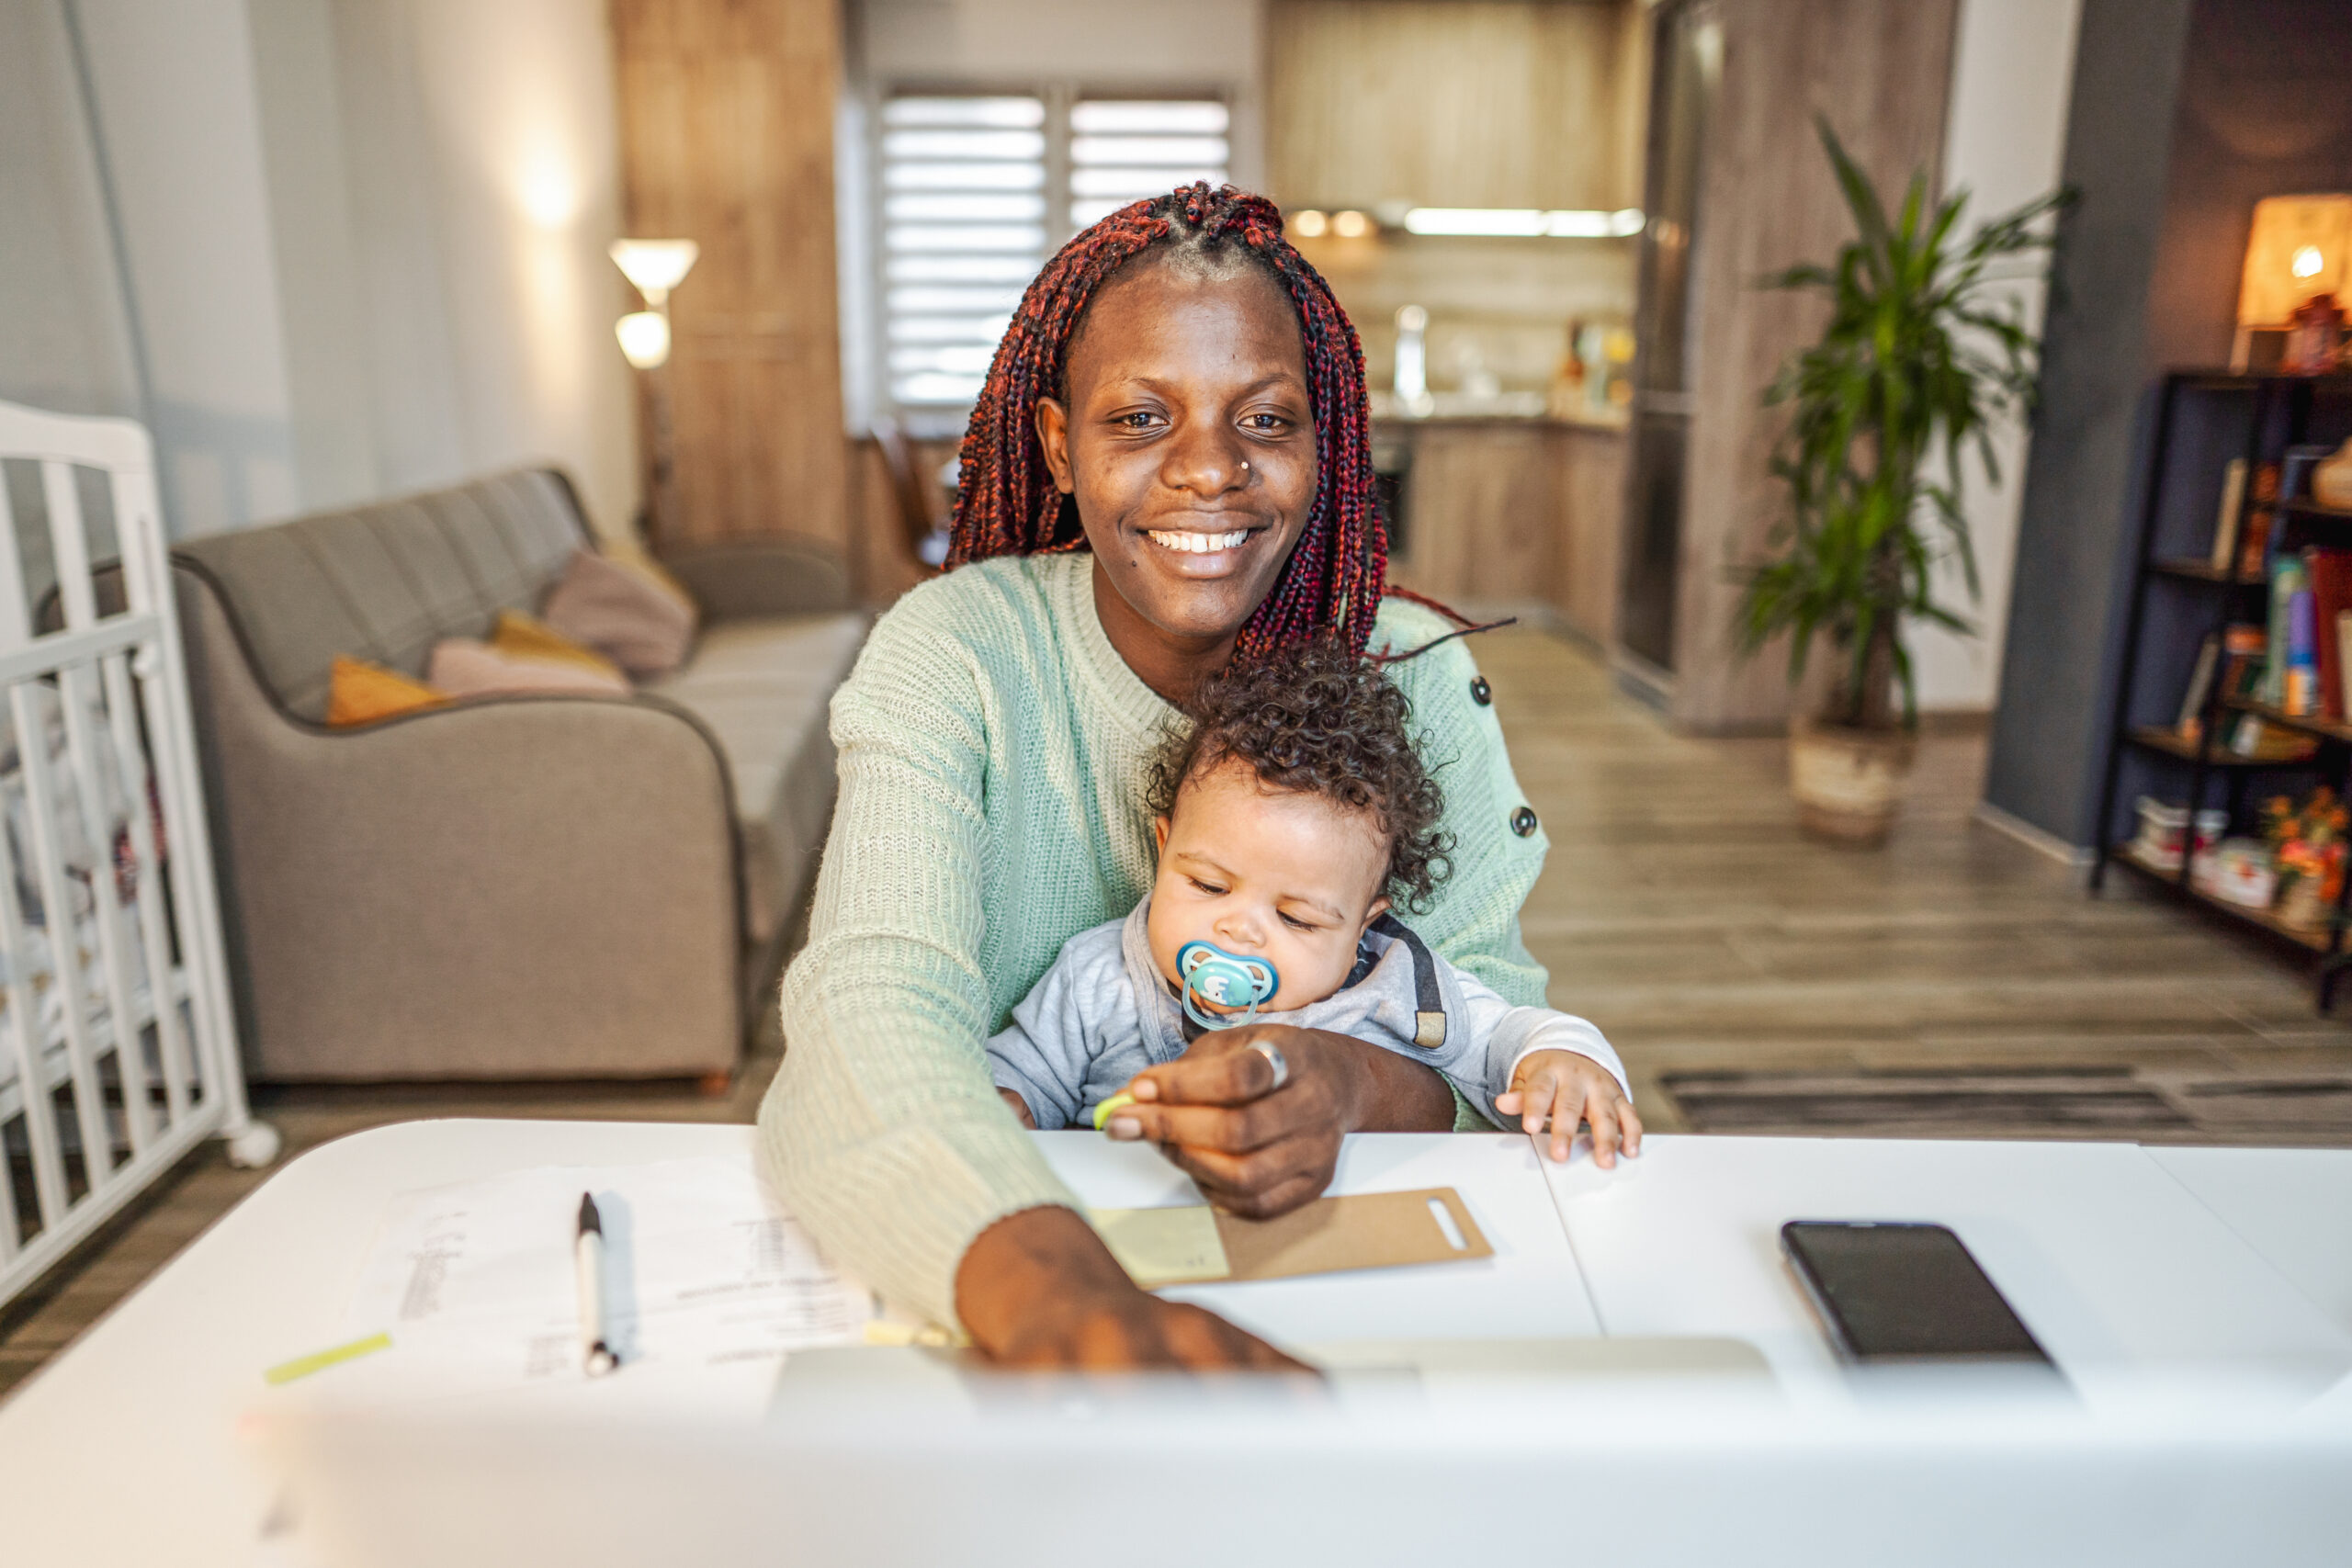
1294 818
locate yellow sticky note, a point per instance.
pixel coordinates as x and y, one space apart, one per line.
1163 1246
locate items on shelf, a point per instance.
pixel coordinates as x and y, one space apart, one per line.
2238 871
2332 479
2259 742
2161 826
2225 525
2306 845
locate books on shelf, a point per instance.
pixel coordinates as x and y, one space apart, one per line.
2225 527
2191 722
2330 570
2343 660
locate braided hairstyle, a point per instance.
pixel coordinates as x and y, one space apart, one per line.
1006 503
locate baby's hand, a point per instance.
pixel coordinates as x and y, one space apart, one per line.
1565 1088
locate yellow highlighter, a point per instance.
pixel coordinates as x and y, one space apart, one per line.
1103 1112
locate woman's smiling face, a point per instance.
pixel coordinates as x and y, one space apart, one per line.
1187 439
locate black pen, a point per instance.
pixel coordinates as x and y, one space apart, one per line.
588 1260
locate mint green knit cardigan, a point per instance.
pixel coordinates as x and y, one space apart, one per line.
992 746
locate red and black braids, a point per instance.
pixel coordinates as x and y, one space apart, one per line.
1006 503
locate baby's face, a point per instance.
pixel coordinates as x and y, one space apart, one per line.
1291 878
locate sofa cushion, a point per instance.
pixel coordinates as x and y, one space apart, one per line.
385 582
464 668
645 627
763 687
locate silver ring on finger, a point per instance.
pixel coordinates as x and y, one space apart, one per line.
1274 1059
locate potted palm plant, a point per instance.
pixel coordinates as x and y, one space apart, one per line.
1924 356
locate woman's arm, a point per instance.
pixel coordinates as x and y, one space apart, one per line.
883 1125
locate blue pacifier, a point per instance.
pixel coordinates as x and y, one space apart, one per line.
1224 980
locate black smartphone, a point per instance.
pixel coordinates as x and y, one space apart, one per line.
1893 1292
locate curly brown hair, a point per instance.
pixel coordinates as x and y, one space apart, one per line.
1318 718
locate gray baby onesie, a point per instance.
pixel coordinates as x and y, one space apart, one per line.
1103 1013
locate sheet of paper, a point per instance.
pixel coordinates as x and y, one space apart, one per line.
703 1267
1163 1246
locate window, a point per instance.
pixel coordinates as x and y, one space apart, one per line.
976 191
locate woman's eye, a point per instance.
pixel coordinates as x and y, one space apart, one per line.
1140 419
1264 422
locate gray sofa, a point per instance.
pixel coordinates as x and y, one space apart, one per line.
521 887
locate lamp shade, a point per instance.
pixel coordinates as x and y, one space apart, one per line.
656 266
645 338
2299 248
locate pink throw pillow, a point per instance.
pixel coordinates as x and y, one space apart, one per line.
465 668
623 614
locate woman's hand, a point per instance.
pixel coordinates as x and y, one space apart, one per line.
1563 1088
1039 1289
1256 1150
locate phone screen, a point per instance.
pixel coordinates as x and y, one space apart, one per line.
1892 1292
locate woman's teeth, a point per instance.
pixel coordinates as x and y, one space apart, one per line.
1197 544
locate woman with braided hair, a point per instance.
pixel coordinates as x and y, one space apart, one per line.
1170 468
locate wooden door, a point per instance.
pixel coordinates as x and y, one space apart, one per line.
727 139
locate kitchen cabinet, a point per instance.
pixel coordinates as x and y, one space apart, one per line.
1513 516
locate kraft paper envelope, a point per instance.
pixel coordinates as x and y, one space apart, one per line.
1374 1230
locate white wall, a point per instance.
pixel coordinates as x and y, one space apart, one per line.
364 240
2012 72
65 337
178 113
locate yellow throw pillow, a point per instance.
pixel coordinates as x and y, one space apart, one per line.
519 636
360 692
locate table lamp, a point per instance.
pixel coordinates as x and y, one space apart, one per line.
655 266
2295 261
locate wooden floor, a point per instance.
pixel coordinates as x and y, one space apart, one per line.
1956 982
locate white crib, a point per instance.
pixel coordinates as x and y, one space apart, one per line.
118 1039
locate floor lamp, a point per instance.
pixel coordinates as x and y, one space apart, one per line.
655 266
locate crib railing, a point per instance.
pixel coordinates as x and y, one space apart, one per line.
117 1038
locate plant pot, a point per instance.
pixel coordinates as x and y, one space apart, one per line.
1847 783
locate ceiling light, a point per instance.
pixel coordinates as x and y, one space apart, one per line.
1309 224
1350 224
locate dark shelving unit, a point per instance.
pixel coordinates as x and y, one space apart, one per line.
2178 599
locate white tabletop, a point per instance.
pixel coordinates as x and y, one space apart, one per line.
2116 1258
2293 1206
2115 1266
273 1278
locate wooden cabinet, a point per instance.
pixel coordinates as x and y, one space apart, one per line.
1454 103
1514 516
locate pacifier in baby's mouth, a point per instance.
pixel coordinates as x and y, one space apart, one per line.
1223 980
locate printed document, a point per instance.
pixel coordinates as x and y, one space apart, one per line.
703 1268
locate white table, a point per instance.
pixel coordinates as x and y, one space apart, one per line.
149 1398
2117 1266
2117 1257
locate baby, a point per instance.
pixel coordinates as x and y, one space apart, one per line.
1292 817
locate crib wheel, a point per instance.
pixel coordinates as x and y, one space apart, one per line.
254 1145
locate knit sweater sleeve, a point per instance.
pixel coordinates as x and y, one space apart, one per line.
1495 853
883 1127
